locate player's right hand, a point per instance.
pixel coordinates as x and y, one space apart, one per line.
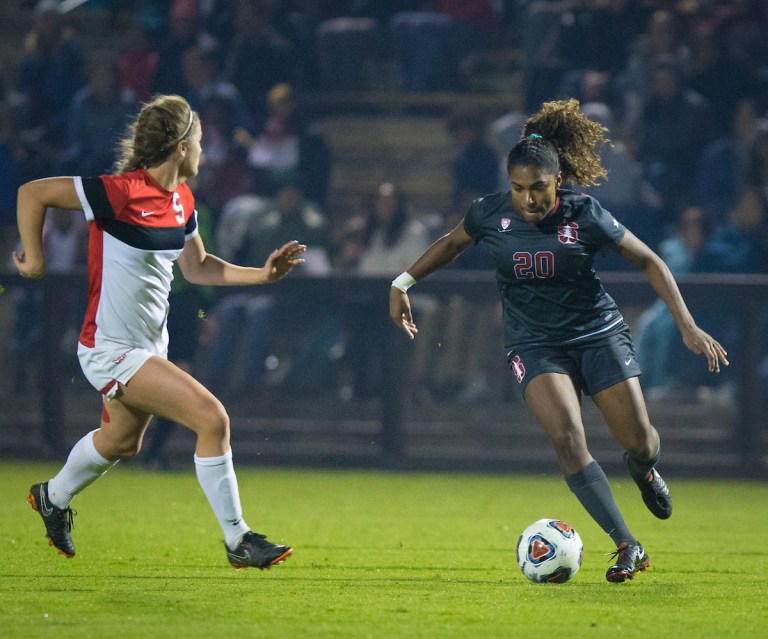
31 268
400 312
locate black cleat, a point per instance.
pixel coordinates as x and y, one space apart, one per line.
254 551
631 558
653 490
58 521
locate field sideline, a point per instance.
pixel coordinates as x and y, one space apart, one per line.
376 555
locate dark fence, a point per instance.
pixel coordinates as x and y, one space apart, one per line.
399 425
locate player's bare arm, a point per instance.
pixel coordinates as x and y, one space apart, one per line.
442 252
33 200
200 267
663 282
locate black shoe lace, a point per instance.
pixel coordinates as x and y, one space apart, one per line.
619 553
66 518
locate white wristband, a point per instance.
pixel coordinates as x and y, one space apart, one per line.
403 282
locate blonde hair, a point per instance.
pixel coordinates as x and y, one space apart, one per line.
152 136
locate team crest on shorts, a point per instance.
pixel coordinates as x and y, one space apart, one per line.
518 368
568 233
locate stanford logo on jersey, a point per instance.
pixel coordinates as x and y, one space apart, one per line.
505 222
568 232
518 368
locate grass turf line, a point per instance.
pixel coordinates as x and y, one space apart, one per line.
377 554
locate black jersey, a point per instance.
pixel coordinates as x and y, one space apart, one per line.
549 290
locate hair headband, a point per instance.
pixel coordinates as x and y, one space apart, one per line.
189 126
183 135
535 136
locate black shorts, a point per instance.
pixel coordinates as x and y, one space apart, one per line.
593 366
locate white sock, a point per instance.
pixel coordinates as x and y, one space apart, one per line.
83 467
219 483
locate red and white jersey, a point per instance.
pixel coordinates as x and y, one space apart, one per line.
137 230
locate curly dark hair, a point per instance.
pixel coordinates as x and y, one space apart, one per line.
561 138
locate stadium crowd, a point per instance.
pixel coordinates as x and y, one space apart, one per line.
682 86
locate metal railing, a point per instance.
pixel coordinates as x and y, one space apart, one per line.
742 297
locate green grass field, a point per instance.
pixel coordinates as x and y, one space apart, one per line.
376 555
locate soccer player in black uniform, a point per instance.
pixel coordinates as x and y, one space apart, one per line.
564 334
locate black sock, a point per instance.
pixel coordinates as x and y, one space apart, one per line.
591 487
639 468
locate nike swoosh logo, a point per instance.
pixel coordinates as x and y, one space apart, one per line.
504 230
148 213
627 361
46 509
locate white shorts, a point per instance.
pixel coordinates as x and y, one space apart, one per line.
104 367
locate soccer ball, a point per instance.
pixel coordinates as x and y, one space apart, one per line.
549 551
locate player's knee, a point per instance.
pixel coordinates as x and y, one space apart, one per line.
569 444
213 419
644 449
125 448
645 444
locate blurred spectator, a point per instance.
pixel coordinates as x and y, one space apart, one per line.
50 71
390 235
137 62
475 168
656 335
675 126
225 174
543 64
259 58
623 191
588 85
558 36
737 246
98 117
480 15
475 173
284 149
245 323
274 150
203 82
728 64
10 177
723 165
294 216
756 173
662 37
429 47
347 51
183 32
65 242
505 133
378 243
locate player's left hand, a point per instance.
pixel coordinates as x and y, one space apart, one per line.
702 343
283 260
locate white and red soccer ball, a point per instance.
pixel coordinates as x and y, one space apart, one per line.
549 551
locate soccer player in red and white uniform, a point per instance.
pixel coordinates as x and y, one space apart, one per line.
142 219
